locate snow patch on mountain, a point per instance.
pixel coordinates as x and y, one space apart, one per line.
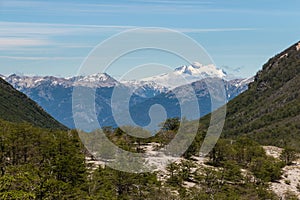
22 82
95 80
242 82
145 89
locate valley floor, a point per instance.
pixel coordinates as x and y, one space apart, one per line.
290 181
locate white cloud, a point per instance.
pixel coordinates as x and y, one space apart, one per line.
25 3
40 58
179 7
195 30
16 35
104 8
12 42
48 29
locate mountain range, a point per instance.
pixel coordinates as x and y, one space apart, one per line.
54 94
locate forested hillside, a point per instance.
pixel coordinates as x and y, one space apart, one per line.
17 107
38 163
269 111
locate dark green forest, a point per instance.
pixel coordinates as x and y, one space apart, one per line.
38 163
17 107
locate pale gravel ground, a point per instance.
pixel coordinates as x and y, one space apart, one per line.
290 173
160 160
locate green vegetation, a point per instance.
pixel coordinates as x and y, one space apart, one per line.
40 164
288 155
50 164
239 170
236 169
269 111
106 183
289 195
17 107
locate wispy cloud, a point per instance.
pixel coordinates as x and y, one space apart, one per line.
25 3
40 58
195 30
20 35
112 7
35 29
174 2
109 8
11 42
49 29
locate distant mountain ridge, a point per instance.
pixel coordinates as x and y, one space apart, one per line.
55 94
17 107
95 80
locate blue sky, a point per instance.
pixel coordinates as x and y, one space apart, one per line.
53 37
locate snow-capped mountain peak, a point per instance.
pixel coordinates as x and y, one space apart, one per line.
95 80
99 77
187 74
197 69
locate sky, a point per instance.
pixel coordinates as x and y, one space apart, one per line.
54 37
